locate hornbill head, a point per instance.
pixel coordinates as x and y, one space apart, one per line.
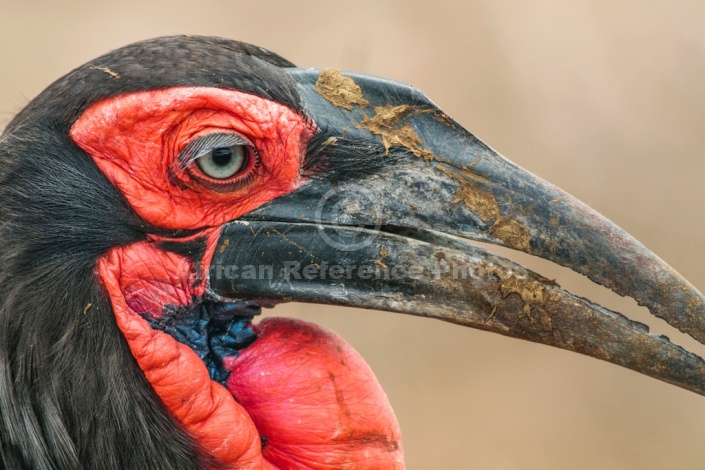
156 198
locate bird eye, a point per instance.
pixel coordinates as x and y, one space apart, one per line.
222 163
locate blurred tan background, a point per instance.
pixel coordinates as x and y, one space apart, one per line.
604 99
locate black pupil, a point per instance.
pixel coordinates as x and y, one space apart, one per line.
222 156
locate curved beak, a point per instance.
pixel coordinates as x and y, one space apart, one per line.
395 191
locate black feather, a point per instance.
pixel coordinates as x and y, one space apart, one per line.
71 394
338 158
163 63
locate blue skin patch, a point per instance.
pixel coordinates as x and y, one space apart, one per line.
214 330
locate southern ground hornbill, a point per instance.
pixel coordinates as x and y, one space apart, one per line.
156 198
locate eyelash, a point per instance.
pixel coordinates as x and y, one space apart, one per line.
186 162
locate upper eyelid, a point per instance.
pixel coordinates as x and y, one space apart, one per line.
203 144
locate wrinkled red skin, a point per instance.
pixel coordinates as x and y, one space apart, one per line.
142 275
314 399
300 386
135 140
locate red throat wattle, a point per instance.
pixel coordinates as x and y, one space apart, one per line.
298 396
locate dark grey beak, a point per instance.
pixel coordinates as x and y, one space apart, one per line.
395 236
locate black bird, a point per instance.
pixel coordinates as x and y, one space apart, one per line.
157 197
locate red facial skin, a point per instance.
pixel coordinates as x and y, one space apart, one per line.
135 140
330 412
